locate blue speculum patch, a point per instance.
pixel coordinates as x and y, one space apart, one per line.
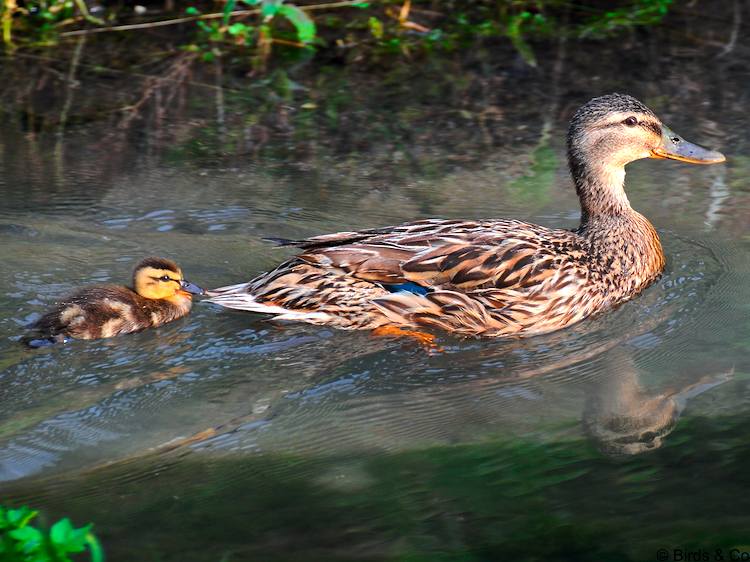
409 287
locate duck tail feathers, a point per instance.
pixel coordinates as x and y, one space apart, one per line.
241 300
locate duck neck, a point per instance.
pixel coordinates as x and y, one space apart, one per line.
613 228
600 189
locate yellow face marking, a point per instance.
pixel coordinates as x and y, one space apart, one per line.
154 283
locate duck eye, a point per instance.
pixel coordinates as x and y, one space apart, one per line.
165 278
631 121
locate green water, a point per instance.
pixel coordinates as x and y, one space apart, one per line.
225 437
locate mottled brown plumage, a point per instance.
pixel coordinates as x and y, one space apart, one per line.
490 277
159 295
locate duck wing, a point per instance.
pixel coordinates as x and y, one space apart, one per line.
453 255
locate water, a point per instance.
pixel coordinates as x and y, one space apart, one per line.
224 436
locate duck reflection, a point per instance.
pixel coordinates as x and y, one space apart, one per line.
623 418
391 409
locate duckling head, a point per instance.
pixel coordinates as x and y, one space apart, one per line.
160 278
611 131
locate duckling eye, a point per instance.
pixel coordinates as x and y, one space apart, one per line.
165 278
631 121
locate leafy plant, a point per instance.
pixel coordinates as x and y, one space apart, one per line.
262 34
402 27
22 542
515 33
643 12
42 16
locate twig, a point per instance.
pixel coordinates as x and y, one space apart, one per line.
116 71
288 43
176 75
70 87
9 7
213 16
220 111
84 9
729 47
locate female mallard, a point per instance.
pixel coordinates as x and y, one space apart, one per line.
490 277
159 295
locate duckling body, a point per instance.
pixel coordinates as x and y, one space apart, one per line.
160 295
490 277
109 310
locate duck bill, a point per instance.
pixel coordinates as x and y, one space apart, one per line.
190 288
674 147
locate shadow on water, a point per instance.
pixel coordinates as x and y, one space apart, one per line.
517 498
224 436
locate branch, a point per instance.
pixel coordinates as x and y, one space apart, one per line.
213 16
729 47
83 8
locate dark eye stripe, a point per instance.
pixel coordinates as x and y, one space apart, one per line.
645 124
652 126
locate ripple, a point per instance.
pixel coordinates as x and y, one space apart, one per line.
231 383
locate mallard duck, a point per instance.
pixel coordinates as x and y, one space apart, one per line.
159 295
489 277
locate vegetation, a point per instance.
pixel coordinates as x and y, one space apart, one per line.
22 542
388 26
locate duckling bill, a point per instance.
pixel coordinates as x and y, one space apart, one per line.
160 294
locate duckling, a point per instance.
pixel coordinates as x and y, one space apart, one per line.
491 277
159 295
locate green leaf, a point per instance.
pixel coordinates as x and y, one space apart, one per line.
376 27
300 20
228 9
269 9
237 29
25 543
20 517
361 5
30 538
251 2
66 539
192 11
60 531
516 37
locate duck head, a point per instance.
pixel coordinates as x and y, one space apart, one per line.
611 131
160 278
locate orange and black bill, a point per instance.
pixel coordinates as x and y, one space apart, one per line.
675 147
189 287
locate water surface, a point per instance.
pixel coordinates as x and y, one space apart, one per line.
225 436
